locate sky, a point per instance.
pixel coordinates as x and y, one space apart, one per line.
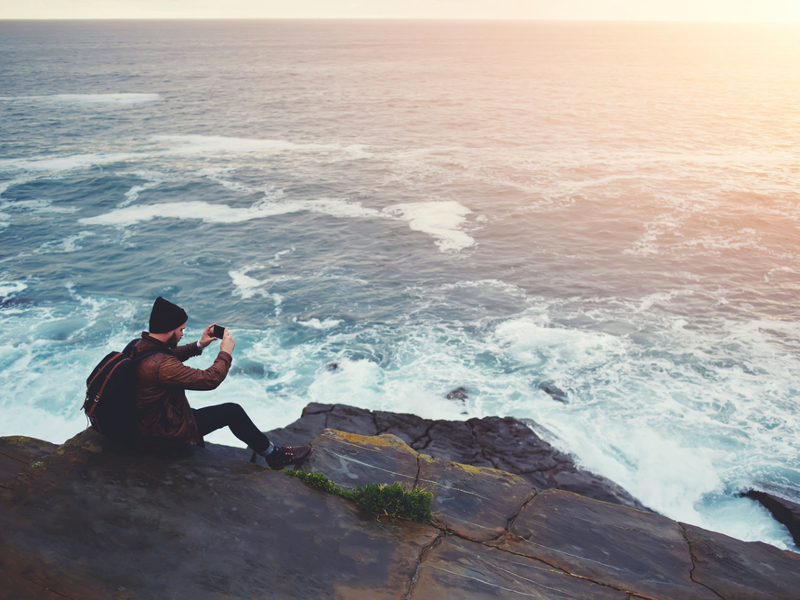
758 11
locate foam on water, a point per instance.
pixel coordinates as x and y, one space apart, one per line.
315 323
222 213
442 220
9 288
153 179
89 99
202 144
36 206
58 164
248 287
69 244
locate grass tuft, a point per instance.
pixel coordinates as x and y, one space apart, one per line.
394 501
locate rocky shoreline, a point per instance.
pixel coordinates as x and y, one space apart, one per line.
89 520
506 443
500 443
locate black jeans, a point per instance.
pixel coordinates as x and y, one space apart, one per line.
233 416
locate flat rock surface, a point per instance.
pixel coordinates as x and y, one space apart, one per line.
499 443
90 521
637 551
454 570
739 571
94 523
476 502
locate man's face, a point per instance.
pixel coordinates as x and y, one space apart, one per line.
176 336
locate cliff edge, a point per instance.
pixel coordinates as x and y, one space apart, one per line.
88 520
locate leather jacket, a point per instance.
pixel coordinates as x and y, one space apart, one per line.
161 383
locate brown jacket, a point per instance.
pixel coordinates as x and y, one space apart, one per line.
161 381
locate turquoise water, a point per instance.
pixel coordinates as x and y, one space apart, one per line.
611 208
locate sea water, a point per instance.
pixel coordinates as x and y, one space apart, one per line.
605 210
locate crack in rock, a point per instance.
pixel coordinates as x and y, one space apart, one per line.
417 444
694 562
422 555
47 589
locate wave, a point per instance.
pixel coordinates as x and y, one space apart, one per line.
442 220
90 99
205 144
64 163
314 323
11 288
176 145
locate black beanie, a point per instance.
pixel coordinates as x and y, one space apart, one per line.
166 316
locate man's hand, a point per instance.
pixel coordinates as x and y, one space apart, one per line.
208 336
227 344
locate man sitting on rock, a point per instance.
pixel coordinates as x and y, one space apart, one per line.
162 380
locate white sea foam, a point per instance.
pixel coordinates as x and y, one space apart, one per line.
36 206
442 220
248 287
438 219
153 179
205 144
9 288
44 361
315 323
90 99
69 244
63 163
222 213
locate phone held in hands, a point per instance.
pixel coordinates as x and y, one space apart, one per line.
218 332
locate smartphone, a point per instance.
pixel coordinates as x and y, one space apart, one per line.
218 331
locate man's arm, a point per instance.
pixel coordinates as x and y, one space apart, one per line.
172 372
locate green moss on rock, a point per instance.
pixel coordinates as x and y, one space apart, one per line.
394 501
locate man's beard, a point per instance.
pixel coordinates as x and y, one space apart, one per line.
173 340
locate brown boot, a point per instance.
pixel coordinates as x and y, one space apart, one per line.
283 456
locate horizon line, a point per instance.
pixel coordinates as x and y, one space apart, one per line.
438 19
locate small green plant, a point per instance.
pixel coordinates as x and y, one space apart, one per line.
393 501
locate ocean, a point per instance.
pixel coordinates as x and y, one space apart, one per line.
606 210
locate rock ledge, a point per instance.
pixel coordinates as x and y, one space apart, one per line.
86 520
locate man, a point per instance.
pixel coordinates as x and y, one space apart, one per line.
162 380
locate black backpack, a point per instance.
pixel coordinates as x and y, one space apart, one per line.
109 403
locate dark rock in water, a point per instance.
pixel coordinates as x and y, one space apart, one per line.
552 390
333 367
245 367
500 443
458 394
785 512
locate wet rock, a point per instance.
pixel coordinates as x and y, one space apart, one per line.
552 390
333 367
785 512
458 394
452 569
640 552
475 501
737 570
499 443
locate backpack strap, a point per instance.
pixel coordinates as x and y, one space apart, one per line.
128 351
